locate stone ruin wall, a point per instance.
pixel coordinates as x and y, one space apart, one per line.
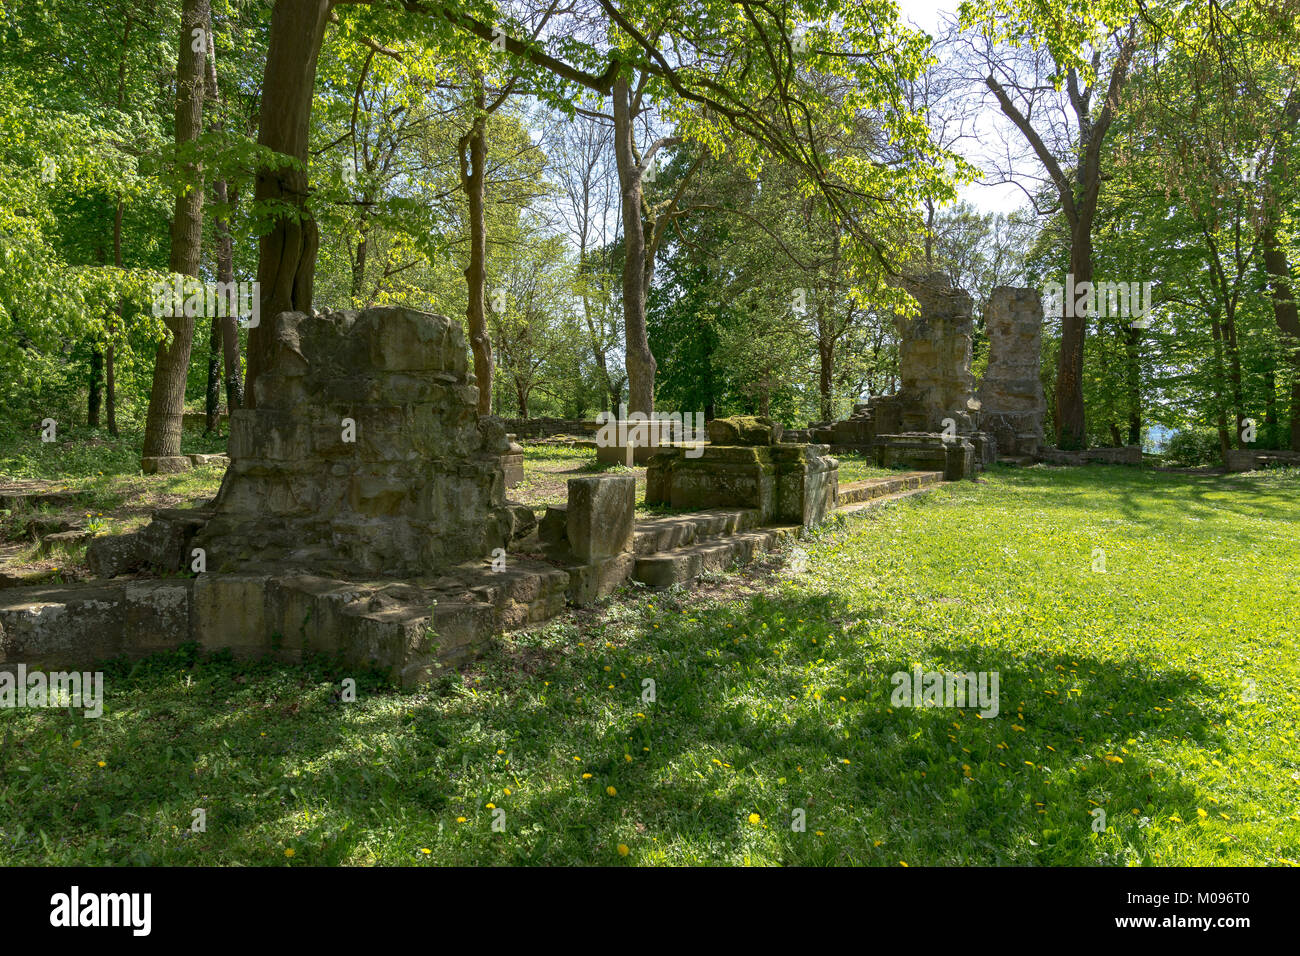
1011 395
934 356
419 488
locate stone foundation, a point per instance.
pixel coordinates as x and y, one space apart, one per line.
783 483
928 451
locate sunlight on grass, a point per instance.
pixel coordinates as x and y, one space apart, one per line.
1161 691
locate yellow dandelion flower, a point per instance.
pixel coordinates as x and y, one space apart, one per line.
754 818
288 851
611 791
623 850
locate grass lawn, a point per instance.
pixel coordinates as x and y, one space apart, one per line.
1128 691
112 496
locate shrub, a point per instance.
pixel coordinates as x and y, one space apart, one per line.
1194 446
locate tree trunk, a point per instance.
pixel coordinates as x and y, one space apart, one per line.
212 396
1282 291
826 358
640 361
1132 341
1220 404
94 394
287 253
1070 428
229 323
473 163
110 374
226 200
162 435
1270 404
96 380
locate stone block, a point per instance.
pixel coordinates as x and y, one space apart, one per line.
600 515
168 465
744 430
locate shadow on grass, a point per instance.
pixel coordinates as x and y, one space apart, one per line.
748 718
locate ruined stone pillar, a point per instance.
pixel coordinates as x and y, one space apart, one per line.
934 355
1011 395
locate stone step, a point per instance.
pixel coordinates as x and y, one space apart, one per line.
1017 461
856 491
65 539
861 507
651 535
683 565
37 494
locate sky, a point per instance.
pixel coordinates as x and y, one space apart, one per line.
927 15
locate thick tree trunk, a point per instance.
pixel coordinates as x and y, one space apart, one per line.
473 164
287 253
640 361
162 435
1070 428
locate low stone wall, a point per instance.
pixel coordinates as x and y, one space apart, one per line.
1251 459
1126 455
403 630
546 427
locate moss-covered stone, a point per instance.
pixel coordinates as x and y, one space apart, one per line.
744 430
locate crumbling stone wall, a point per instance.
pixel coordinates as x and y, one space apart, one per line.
1011 395
934 355
364 453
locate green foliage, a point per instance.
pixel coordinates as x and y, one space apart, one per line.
1194 446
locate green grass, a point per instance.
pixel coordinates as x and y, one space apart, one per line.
860 468
1120 691
79 455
